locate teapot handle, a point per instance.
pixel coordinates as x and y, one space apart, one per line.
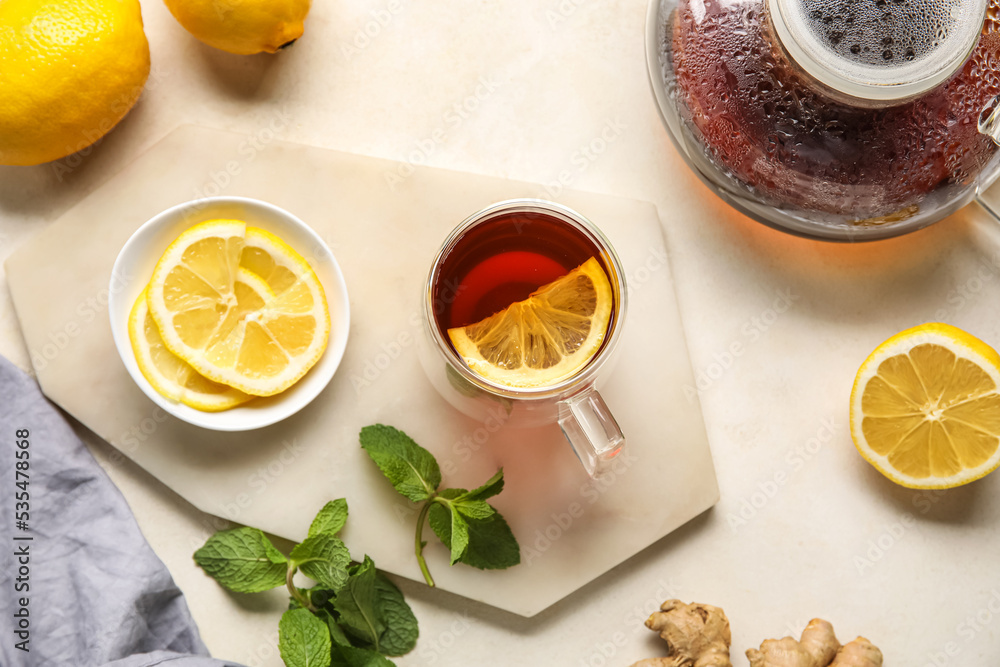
989 120
989 124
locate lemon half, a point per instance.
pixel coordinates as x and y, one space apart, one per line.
546 338
925 408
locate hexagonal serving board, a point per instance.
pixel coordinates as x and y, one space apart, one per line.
384 221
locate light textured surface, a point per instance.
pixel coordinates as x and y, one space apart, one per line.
570 71
277 477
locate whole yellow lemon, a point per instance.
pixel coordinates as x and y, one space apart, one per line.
69 71
242 26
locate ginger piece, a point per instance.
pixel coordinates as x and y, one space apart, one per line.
697 635
858 653
818 647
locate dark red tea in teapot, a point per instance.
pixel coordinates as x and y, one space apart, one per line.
792 142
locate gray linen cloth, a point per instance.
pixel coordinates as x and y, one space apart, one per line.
96 593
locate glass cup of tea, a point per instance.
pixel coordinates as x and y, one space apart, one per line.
522 310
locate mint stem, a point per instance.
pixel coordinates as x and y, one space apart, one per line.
419 543
302 599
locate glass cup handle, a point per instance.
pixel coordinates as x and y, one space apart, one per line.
591 429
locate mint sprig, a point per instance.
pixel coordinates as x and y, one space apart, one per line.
473 530
353 617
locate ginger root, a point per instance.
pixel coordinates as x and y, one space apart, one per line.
858 653
697 635
818 647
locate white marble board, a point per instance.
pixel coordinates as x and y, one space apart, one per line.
383 221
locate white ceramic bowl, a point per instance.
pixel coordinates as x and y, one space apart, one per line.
138 258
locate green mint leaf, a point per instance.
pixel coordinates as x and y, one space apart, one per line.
324 559
337 635
449 525
401 632
349 656
242 560
491 488
439 515
303 639
459 535
411 469
474 509
492 545
356 605
331 518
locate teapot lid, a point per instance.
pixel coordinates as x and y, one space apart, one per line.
879 49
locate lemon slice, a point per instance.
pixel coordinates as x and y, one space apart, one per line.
273 260
171 377
925 408
544 339
233 335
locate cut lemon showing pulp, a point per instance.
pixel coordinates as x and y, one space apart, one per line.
544 339
171 377
231 334
273 260
925 408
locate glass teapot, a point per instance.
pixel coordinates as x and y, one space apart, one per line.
836 119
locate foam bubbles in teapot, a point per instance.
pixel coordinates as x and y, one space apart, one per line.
883 33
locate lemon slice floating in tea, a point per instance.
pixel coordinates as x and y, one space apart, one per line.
925 408
169 375
544 339
230 334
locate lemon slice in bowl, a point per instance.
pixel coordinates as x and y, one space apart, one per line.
925 408
232 335
273 260
170 376
544 339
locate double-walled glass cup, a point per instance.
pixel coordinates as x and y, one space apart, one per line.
574 402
